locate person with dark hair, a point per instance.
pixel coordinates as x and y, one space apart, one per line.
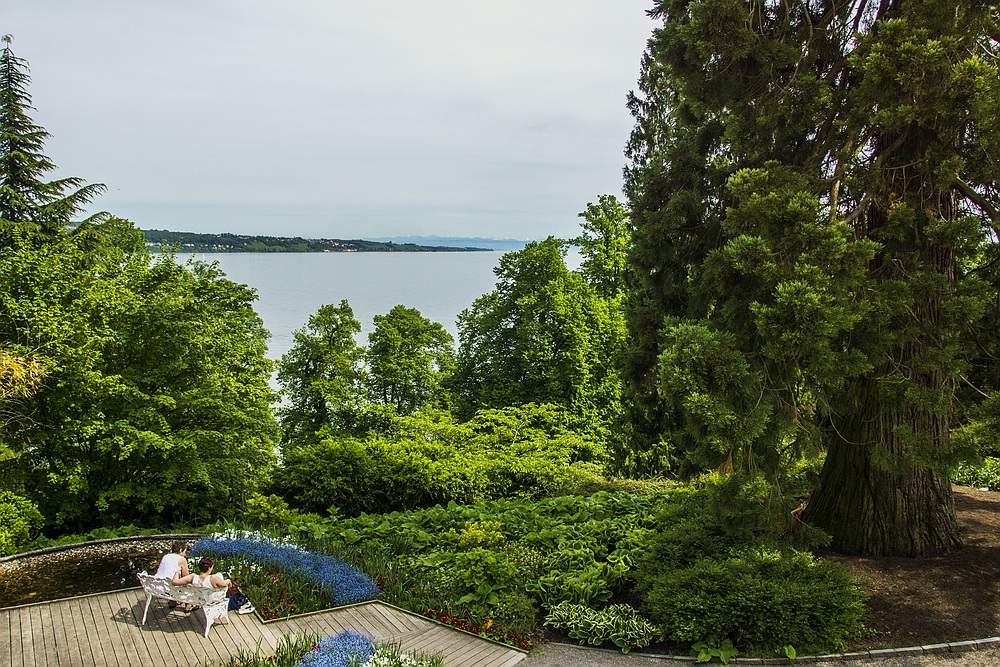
174 566
238 602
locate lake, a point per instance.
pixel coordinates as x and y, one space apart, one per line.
292 286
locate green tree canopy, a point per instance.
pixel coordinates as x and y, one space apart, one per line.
156 405
814 202
604 245
544 335
321 375
409 361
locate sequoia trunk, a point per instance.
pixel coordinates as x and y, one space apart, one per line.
872 497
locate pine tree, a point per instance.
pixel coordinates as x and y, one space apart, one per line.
814 203
29 205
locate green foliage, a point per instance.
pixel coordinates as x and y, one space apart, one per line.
760 599
722 567
618 623
418 461
20 520
604 245
490 555
272 511
544 335
31 209
158 381
813 262
983 475
707 651
409 360
321 374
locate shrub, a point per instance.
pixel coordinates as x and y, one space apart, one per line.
761 599
19 520
267 511
984 475
723 566
619 623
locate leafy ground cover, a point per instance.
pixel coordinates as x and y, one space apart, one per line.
492 567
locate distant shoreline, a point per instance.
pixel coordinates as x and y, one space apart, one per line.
198 242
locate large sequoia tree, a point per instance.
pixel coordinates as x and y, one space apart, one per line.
814 202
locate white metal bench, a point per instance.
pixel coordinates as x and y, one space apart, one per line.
213 601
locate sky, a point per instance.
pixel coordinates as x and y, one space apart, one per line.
337 118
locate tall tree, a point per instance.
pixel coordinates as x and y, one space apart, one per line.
813 194
321 375
156 403
409 361
30 206
544 335
604 245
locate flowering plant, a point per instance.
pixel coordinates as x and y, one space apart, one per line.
282 578
485 629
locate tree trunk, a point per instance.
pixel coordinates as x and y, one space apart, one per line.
872 498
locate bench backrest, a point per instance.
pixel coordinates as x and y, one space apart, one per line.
196 595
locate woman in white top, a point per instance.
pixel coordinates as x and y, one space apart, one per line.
237 600
174 566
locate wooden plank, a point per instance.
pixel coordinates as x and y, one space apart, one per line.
135 601
29 633
16 639
90 650
84 623
50 634
383 626
125 647
480 653
6 639
242 631
16 649
67 653
512 660
401 622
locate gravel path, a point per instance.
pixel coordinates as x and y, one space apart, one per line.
568 655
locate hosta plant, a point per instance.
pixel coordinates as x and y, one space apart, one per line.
619 624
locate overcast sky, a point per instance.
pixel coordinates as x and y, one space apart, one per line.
337 118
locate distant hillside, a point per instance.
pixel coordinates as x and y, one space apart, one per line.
195 242
457 241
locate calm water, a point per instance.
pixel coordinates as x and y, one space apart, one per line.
292 286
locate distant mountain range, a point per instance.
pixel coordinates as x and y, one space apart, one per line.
198 242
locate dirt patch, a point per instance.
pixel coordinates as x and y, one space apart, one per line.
954 597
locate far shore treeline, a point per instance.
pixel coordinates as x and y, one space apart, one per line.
196 242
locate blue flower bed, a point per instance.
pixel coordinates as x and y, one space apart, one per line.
344 583
341 650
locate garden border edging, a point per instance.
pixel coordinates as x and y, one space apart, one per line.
927 649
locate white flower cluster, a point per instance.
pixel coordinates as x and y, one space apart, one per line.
389 656
256 536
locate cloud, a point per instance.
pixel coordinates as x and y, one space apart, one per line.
336 118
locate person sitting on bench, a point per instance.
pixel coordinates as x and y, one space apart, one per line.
174 566
237 600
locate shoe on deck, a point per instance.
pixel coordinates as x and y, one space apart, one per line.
246 609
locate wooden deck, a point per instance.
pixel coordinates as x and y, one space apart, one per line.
103 629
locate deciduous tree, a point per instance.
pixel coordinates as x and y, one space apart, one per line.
409 361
